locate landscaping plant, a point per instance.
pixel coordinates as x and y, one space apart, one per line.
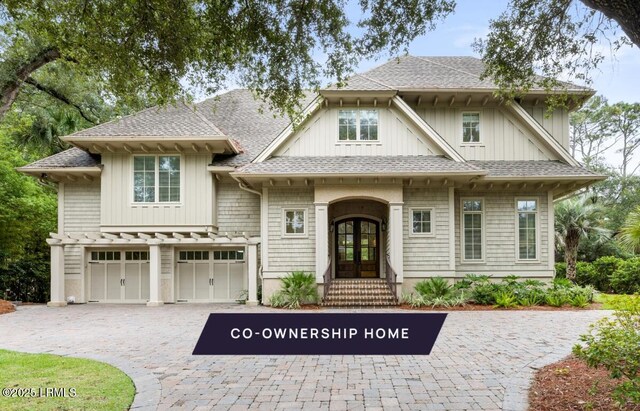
298 288
626 279
505 299
434 287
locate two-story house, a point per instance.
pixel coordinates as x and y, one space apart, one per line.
412 170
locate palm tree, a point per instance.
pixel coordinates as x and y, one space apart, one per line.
629 235
577 218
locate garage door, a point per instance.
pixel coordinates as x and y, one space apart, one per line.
210 276
119 276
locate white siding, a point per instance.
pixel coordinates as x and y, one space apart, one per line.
291 254
397 136
426 254
502 136
238 210
499 226
557 123
81 203
196 208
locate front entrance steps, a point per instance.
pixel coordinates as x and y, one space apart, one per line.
359 292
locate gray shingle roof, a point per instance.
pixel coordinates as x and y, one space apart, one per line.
426 72
73 157
171 121
359 165
531 169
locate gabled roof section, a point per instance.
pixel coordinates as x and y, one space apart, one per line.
73 157
177 121
533 170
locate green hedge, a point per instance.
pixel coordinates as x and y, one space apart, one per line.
607 274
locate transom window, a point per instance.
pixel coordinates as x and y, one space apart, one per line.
421 221
358 125
228 255
136 255
105 255
472 211
156 179
294 223
527 229
193 255
470 127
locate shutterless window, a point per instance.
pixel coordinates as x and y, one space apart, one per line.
421 221
149 189
470 127
358 125
105 255
294 222
137 256
228 255
472 228
193 255
527 216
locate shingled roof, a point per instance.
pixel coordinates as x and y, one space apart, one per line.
532 169
71 158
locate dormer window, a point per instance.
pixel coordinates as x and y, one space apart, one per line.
471 127
358 125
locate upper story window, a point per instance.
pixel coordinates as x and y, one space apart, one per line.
156 179
358 125
471 127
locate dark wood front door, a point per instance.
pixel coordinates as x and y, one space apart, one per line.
357 248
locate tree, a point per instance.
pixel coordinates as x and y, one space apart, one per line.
555 39
630 232
626 120
576 218
591 131
165 49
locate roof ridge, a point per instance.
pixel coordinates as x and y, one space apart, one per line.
374 81
113 120
204 119
428 60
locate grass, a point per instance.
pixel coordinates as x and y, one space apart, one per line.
611 301
98 386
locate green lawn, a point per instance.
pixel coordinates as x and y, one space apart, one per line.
98 386
614 301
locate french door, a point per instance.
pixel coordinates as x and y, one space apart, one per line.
357 248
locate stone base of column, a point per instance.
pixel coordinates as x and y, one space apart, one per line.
57 304
155 303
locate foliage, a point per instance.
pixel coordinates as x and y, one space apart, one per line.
505 299
297 288
98 386
603 269
26 279
613 343
484 294
556 298
626 279
561 270
433 287
452 299
579 301
630 232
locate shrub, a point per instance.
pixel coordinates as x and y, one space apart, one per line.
433 287
298 288
484 294
604 267
477 279
505 299
626 279
531 297
561 270
556 297
414 300
613 344
579 300
584 273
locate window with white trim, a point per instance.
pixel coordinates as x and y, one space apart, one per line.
196 255
472 216
471 127
358 125
295 222
137 256
421 221
229 255
105 255
527 229
156 179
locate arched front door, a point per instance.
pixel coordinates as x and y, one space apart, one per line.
357 248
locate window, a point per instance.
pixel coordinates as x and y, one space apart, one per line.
156 179
358 125
228 255
527 222
105 255
193 255
136 256
472 229
421 221
294 223
470 127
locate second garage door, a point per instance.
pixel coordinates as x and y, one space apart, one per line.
210 276
119 276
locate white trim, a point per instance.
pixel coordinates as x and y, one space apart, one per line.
264 227
452 229
61 208
551 231
157 201
358 141
432 220
480 141
517 229
463 259
157 228
305 232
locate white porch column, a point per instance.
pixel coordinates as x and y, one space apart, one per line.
155 287
322 240
395 240
252 272
57 276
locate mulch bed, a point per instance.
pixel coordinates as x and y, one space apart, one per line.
570 385
478 307
6 307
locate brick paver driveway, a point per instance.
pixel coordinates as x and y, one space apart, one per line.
482 359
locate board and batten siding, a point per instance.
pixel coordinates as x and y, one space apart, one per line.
499 225
557 123
502 137
287 254
238 210
119 211
426 254
81 214
397 136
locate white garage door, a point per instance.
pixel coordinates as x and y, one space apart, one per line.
210 276
118 276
